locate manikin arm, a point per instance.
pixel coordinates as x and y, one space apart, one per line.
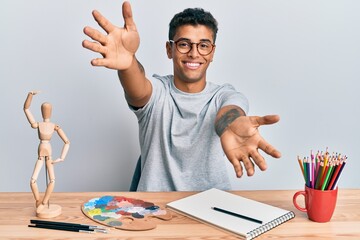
28 114
241 140
65 147
118 48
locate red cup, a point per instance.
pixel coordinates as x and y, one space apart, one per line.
319 205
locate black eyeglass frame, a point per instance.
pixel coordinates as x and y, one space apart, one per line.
191 46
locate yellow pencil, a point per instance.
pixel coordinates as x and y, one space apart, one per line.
301 167
326 158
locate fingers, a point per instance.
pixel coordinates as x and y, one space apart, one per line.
95 35
259 160
99 62
250 160
249 165
268 119
237 163
237 166
94 46
128 18
103 22
108 26
269 149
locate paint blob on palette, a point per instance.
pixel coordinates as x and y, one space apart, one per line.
124 213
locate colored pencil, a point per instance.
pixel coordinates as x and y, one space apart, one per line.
301 167
326 158
317 159
322 170
338 176
334 176
308 172
325 171
326 181
319 176
305 172
312 169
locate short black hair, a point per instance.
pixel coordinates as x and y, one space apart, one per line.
193 16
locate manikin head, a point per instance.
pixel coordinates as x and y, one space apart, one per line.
46 110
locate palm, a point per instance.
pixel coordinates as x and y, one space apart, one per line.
120 47
232 142
242 140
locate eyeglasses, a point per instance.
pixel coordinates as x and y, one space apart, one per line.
185 46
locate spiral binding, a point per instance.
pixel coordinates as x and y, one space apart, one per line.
268 226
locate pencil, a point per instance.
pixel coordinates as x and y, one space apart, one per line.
53 225
326 158
325 172
64 224
312 169
305 173
326 181
334 176
319 176
308 163
313 172
317 160
322 170
301 167
338 176
237 215
64 228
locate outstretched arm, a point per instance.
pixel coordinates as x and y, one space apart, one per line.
240 138
118 48
28 114
66 145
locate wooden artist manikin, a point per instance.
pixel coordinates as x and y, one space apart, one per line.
45 131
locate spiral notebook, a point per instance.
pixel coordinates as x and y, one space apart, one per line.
241 216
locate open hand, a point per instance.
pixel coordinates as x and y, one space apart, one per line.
118 47
241 141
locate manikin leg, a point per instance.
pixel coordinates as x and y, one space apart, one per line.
46 210
50 187
34 177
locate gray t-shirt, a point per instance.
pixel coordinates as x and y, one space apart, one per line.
180 150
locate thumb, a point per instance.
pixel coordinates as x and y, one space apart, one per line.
128 17
268 119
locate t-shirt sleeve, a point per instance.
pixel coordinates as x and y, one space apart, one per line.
158 88
229 96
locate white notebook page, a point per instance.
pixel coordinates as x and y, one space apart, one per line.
199 206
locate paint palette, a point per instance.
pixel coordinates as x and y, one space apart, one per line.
124 213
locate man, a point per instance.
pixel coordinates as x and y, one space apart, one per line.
186 124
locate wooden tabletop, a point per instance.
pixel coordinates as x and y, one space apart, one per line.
16 210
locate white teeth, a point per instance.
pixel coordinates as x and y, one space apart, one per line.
193 64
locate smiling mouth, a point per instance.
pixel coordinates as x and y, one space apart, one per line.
192 65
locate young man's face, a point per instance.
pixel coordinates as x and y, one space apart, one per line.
190 68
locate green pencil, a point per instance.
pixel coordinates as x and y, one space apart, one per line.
329 171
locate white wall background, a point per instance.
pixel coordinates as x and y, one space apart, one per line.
299 59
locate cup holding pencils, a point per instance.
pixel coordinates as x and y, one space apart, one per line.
319 205
321 174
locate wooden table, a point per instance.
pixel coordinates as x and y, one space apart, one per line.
16 210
